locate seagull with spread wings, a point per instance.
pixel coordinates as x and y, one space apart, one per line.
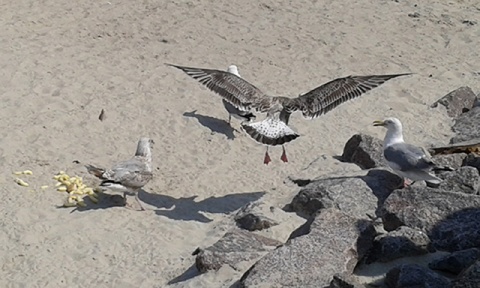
274 130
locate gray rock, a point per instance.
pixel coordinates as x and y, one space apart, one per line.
457 231
382 182
351 195
413 275
454 161
457 101
334 244
356 196
476 103
466 180
365 151
467 126
450 219
334 192
457 261
256 216
472 160
469 278
234 247
399 243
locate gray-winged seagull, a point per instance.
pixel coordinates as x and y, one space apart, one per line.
128 176
274 130
406 160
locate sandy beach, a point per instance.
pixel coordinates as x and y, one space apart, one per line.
61 63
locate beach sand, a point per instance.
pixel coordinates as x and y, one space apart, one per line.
62 62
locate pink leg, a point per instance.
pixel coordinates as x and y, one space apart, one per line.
267 158
130 206
284 155
406 183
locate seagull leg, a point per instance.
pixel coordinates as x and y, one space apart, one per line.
267 158
406 183
284 155
139 202
129 206
229 119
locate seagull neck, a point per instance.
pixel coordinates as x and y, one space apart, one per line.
393 136
144 151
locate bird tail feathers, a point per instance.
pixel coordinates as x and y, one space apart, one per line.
97 172
270 131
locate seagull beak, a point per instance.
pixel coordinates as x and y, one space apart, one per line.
378 123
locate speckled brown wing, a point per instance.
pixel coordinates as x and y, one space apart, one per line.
232 88
329 95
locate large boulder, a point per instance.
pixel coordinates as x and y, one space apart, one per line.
457 231
334 243
465 179
456 262
413 275
467 126
457 101
358 196
403 242
450 219
365 151
470 278
472 160
454 161
233 248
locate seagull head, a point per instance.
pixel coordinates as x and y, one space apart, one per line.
233 69
394 130
390 123
144 146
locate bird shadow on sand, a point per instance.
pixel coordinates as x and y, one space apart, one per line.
215 125
105 201
187 209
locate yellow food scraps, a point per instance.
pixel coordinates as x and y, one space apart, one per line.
26 172
21 182
75 188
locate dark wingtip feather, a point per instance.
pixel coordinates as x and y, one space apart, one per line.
106 182
398 75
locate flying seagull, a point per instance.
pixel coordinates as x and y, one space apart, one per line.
274 130
406 160
232 110
128 176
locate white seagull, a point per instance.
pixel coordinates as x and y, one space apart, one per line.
274 130
406 160
128 176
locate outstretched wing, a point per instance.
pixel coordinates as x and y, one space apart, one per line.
328 96
232 88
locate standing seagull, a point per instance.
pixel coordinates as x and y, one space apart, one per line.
406 160
274 130
232 110
131 175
